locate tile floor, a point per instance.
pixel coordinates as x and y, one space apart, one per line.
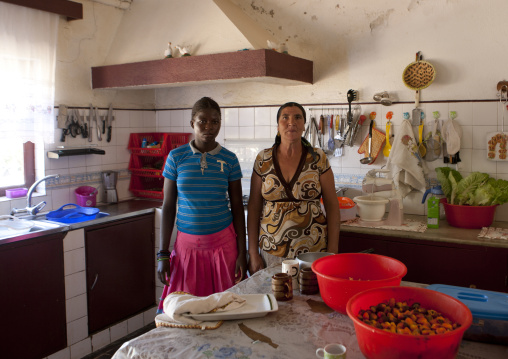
108 351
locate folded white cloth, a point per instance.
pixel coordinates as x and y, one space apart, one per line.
178 303
404 163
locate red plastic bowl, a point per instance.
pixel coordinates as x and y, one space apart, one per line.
373 270
379 344
470 217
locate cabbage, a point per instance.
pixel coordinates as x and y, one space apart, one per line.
477 189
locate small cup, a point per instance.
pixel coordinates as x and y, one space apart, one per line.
308 281
291 267
332 351
282 286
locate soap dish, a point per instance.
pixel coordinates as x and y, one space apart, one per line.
16 192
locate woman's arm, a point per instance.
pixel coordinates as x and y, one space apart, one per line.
331 205
235 197
167 224
253 217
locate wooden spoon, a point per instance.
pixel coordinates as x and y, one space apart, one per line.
388 146
422 150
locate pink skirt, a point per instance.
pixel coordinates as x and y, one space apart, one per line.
202 264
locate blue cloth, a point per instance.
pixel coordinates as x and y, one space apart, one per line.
202 181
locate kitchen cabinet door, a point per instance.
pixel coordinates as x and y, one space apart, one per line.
432 262
119 270
32 304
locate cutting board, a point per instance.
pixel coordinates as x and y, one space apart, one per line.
496 146
378 140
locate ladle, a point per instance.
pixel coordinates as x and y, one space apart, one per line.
368 160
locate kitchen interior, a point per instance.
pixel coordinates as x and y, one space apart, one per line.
112 64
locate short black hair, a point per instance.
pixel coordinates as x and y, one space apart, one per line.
292 104
203 104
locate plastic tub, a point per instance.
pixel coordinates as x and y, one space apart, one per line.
380 344
72 215
16 192
86 196
470 217
343 275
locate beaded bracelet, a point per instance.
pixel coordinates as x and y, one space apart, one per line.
163 255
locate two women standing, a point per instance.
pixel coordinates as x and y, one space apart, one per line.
285 216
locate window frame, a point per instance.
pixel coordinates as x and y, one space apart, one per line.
29 167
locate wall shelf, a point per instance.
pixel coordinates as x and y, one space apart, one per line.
250 65
75 152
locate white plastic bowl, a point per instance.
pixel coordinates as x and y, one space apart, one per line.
371 208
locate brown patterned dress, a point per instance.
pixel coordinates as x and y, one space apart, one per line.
292 221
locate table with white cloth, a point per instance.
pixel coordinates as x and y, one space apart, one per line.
296 330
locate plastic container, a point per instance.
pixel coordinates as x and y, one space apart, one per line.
379 344
72 215
166 142
343 275
151 166
489 309
470 217
16 192
86 196
148 187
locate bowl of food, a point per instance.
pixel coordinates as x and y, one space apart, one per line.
305 260
343 275
408 322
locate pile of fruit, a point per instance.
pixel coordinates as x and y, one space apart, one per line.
399 317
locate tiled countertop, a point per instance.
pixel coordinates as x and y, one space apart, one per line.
445 233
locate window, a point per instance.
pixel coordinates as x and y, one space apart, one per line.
27 86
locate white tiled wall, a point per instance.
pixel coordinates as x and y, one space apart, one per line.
245 130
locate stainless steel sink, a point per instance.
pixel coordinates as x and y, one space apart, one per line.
42 226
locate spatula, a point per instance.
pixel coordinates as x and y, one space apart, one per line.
388 146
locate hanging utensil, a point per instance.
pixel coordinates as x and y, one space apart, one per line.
331 142
369 159
421 146
110 120
417 76
388 146
90 119
97 124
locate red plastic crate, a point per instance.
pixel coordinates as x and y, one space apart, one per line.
169 142
144 165
148 187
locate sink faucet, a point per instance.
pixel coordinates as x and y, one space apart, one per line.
29 209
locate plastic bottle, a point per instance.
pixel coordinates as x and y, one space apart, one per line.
144 143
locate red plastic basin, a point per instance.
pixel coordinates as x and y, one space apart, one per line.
343 275
379 344
468 216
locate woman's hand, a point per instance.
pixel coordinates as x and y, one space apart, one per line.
241 268
164 272
255 263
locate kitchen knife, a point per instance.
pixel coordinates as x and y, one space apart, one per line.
417 112
90 118
97 123
110 119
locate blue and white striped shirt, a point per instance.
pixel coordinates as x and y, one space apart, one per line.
202 182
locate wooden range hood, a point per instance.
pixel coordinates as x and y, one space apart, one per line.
250 65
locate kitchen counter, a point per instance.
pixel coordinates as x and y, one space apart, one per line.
115 211
445 233
296 330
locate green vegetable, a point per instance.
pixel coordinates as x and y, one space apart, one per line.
477 189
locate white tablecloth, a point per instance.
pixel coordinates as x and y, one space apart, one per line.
296 329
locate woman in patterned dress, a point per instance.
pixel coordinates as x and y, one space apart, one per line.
288 180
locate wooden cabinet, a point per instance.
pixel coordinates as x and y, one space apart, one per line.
432 262
120 262
32 304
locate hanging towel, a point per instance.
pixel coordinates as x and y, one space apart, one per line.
178 303
404 163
